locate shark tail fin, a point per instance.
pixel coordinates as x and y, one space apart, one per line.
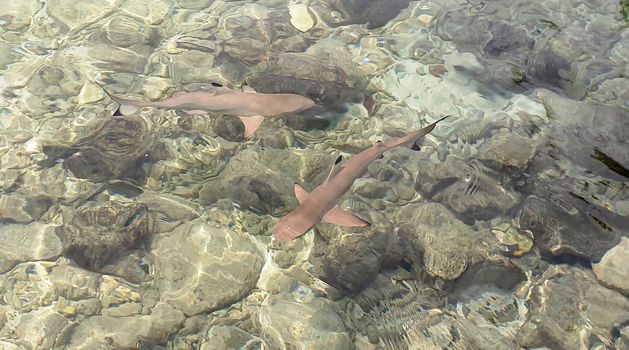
409 141
127 109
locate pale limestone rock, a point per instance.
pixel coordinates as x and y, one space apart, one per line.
445 245
77 16
18 14
613 269
22 243
157 88
27 287
37 329
568 306
425 19
74 283
153 11
306 326
200 267
89 93
230 337
125 332
300 17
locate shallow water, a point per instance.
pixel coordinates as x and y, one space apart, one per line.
507 230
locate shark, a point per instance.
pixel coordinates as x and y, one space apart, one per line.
250 107
321 204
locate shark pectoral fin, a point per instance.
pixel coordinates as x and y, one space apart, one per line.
412 144
251 124
339 217
300 193
338 165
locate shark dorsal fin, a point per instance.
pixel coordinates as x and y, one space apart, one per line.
339 217
338 165
301 193
249 89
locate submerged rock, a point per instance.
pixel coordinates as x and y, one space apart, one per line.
263 182
27 287
200 267
327 77
21 243
113 332
313 325
472 189
35 330
351 261
613 270
74 283
569 309
229 337
117 146
536 45
373 13
436 240
300 17
558 228
98 235
589 135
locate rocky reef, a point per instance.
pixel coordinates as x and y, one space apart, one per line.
508 229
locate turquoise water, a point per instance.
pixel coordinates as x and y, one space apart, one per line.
151 228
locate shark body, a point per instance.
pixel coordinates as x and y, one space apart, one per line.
320 204
249 106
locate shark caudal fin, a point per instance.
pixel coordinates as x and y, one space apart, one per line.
127 107
409 141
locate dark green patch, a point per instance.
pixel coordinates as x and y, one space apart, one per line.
624 9
518 76
611 164
549 24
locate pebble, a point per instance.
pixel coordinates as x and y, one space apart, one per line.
425 20
300 17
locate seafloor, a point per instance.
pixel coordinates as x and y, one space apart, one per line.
508 230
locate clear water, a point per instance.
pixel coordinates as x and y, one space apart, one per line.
153 230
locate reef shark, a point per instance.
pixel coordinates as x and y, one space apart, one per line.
249 106
320 204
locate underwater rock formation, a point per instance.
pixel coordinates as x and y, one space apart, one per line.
99 234
436 240
200 267
569 309
314 324
611 270
35 241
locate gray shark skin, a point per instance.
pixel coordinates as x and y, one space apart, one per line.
320 204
